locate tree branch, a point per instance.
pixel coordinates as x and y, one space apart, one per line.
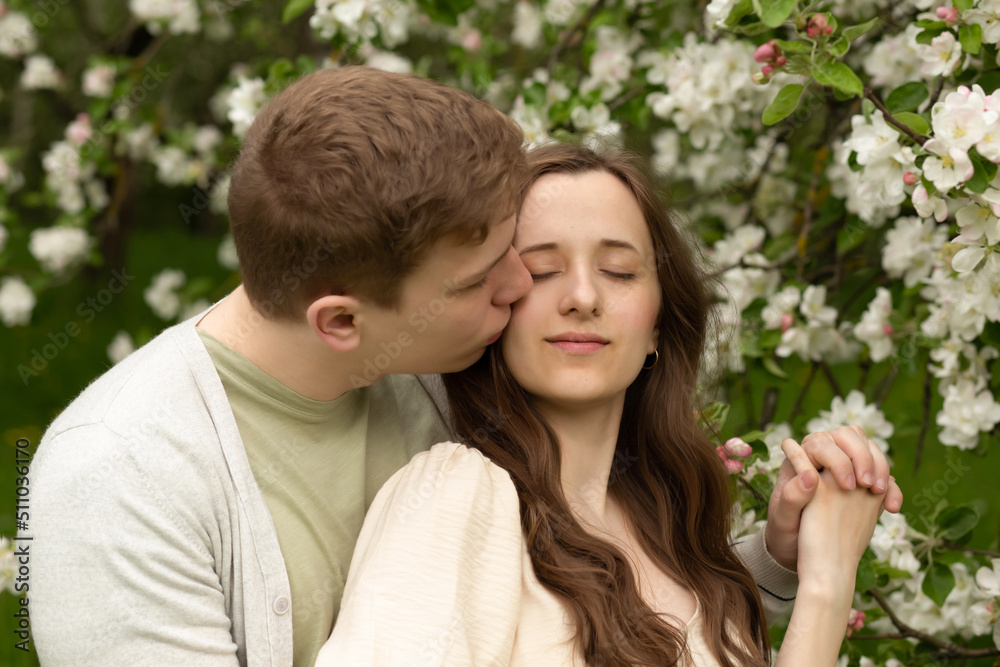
907 631
925 424
891 120
982 552
568 38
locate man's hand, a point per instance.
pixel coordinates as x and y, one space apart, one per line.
852 458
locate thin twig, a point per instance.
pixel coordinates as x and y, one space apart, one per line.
768 405
567 38
829 378
798 401
936 93
889 118
982 552
886 386
925 424
807 215
627 97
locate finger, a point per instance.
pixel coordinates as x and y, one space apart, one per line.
795 495
893 497
797 456
826 453
881 468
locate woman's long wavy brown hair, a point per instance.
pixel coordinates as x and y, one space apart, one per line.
666 475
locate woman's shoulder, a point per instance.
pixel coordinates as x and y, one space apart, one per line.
447 473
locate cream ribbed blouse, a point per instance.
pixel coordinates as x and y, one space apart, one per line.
441 576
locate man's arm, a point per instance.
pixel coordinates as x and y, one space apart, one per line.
118 575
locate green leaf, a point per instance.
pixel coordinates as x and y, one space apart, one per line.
979 181
294 9
938 582
962 5
784 103
866 572
851 235
957 521
971 37
838 47
907 97
916 123
855 31
930 23
798 46
776 12
736 14
836 74
774 369
926 36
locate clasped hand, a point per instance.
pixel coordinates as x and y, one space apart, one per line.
848 460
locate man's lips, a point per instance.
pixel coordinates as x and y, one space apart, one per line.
578 343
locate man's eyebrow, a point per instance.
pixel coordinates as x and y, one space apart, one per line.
482 274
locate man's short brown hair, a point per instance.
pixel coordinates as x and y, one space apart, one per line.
349 176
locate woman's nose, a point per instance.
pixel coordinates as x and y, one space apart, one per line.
582 294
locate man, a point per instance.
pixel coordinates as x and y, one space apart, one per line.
199 503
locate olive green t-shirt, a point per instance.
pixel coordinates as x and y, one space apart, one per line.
319 465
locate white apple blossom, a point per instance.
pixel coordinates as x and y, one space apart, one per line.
780 306
611 63
527 25
597 125
855 410
890 535
969 409
814 308
363 20
120 347
928 206
947 166
206 139
941 56
986 14
16 301
17 35
173 165
140 142
874 328
961 119
911 247
386 61
219 195
244 102
59 248
884 158
894 59
988 579
226 253
864 197
40 73
811 341
718 11
731 249
98 81
561 12
177 16
161 295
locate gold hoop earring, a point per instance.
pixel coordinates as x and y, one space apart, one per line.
655 359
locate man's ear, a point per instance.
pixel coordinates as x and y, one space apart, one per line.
336 320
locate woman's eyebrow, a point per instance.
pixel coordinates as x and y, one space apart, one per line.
615 243
538 247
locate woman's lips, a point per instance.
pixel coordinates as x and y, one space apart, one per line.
494 338
578 347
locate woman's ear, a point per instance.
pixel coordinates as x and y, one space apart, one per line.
654 341
336 320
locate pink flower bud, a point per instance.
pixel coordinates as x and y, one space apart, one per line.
79 131
781 61
721 451
738 448
947 14
910 178
887 329
818 21
765 52
766 70
855 621
828 30
733 467
786 322
812 32
472 40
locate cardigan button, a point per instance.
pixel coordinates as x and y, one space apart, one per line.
281 605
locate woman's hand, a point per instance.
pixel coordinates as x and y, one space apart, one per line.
854 461
835 529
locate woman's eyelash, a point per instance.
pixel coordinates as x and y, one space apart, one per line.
481 283
535 277
621 276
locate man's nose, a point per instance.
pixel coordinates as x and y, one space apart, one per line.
515 280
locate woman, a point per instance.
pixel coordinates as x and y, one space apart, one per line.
585 518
